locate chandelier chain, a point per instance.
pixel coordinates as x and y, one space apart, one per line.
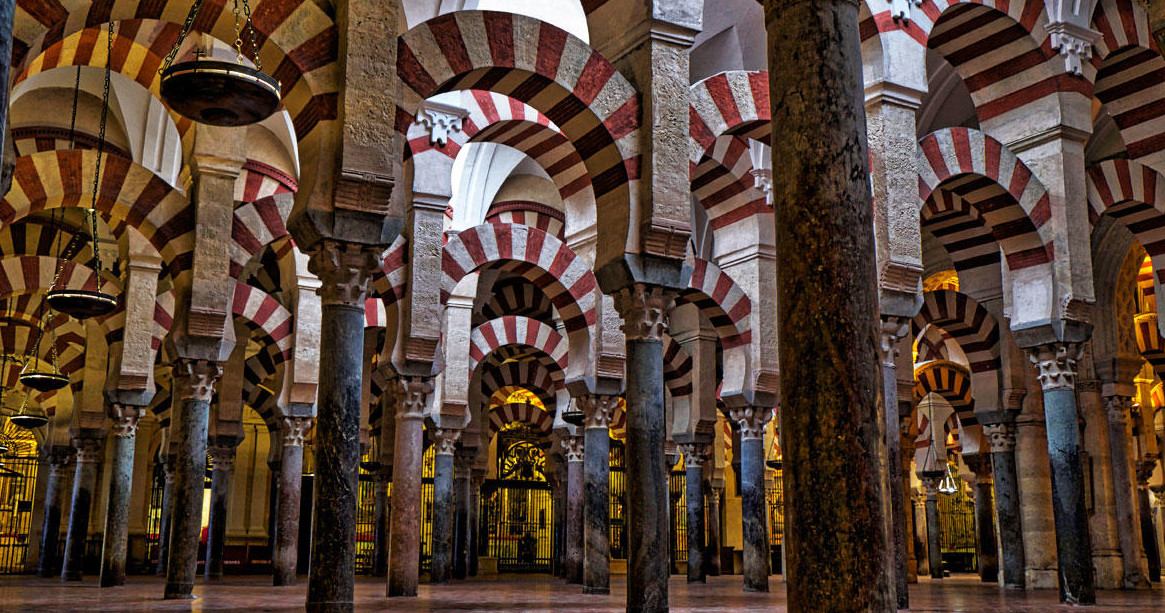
181 36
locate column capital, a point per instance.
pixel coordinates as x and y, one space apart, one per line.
445 440
1056 364
222 457
124 419
414 395
891 330
1117 408
572 447
752 421
695 454
598 409
1000 436
58 458
294 430
714 495
344 270
88 450
930 485
200 376
1144 471
644 309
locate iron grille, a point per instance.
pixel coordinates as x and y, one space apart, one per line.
17 488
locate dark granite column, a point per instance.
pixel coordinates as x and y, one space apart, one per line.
58 457
441 563
223 462
712 559
557 485
918 504
380 544
1148 532
573 544
597 492
462 534
1001 438
167 507
984 520
1056 366
273 466
84 486
124 428
893 329
1117 408
934 553
753 505
475 519
833 434
644 310
194 381
344 270
285 556
404 550
695 454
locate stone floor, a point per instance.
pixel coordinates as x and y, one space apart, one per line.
518 593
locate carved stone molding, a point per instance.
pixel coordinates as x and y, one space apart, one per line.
88 450
572 447
344 270
1000 436
695 454
414 395
900 9
200 377
1013 399
223 458
1117 409
752 421
644 310
440 120
1056 364
1074 43
367 192
295 430
445 440
762 180
665 239
124 420
599 410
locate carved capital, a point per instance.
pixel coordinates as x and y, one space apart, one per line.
88 450
1056 364
752 421
123 420
1144 471
644 310
1000 436
714 495
58 458
198 379
414 396
572 447
345 270
223 458
695 454
930 486
445 440
440 120
1117 409
1074 43
900 10
892 330
599 410
295 430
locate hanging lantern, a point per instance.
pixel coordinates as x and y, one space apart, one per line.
220 93
948 485
29 418
34 374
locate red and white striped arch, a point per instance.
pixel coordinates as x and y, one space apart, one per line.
967 322
520 412
35 273
527 213
528 374
1134 195
519 331
518 297
260 180
723 301
1010 200
391 282
677 368
1130 73
256 224
960 227
266 314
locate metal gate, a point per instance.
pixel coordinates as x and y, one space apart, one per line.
618 494
517 509
678 516
365 521
775 493
956 513
17 488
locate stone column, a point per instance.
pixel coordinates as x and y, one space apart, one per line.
753 505
194 380
124 428
598 411
463 532
404 550
58 458
344 270
380 546
164 524
285 556
1001 439
1116 408
1056 366
906 502
827 304
223 462
934 554
695 454
1148 532
643 309
918 506
475 519
84 486
985 522
441 563
892 331
573 542
712 558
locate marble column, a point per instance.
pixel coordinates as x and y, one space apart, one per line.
380 544
273 467
194 381
84 486
344 270
712 557
1056 368
463 532
832 425
644 310
893 329
475 531
1148 532
695 454
58 458
753 504
918 506
124 428
985 522
441 563
1117 411
572 447
1001 441
934 554
223 461
285 557
404 549
164 523
906 503
598 411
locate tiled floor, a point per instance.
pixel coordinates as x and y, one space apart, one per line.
519 593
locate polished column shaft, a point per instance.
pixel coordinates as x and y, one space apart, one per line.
573 541
753 503
380 545
695 455
933 529
1148 532
985 530
596 492
892 331
58 458
441 562
1117 409
712 556
223 460
164 523
1001 438
124 427
462 533
404 550
84 486
285 557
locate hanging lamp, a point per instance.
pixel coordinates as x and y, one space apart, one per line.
35 375
29 418
82 303
215 92
948 485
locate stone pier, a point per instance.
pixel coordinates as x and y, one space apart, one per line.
123 428
84 487
1117 411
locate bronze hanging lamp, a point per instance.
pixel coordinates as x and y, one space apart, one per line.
82 303
35 374
216 92
29 418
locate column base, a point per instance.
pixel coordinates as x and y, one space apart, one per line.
1109 569
597 590
179 591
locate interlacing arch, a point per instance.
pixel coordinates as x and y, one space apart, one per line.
1130 72
514 330
522 412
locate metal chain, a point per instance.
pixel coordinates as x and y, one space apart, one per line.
100 152
181 36
238 35
254 36
73 121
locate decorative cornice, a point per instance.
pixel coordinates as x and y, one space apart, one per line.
200 377
644 309
345 270
1056 364
295 430
752 421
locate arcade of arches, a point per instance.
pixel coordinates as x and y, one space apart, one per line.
850 300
